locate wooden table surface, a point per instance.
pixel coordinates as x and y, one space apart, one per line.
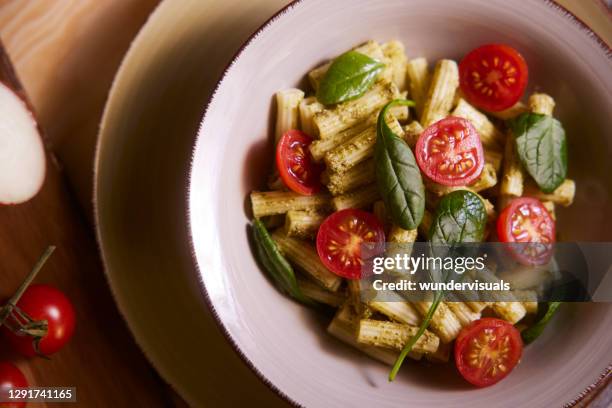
66 53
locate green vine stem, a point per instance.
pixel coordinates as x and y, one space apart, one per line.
7 309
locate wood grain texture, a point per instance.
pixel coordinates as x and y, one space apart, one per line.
101 361
66 53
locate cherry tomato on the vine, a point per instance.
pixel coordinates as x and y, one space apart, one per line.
43 302
11 377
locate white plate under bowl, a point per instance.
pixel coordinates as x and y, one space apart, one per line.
287 343
145 144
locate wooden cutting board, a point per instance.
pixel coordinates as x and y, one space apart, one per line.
102 361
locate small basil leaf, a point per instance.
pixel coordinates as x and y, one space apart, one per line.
348 77
278 268
397 174
532 333
542 148
460 217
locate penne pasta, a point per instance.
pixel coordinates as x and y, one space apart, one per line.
511 112
418 78
395 54
360 175
412 132
444 323
513 174
563 195
541 103
305 257
491 137
287 115
395 336
279 202
302 224
318 294
328 122
359 198
308 107
441 93
318 148
356 149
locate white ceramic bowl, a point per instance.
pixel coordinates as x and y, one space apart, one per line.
286 343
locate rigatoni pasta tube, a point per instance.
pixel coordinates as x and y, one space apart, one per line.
513 174
302 224
401 236
317 293
360 175
444 323
487 179
490 136
541 103
418 78
305 257
344 115
318 148
360 198
279 202
441 92
512 112
412 131
563 195
494 158
395 336
287 112
343 327
463 312
357 149
396 309
394 51
308 107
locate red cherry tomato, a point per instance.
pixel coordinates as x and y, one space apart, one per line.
487 350
43 302
449 152
11 377
295 165
493 77
340 237
526 222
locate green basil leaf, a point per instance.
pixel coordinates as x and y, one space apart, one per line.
397 174
278 268
542 148
460 217
532 333
348 77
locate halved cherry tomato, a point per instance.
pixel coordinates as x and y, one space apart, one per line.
487 350
526 222
11 377
43 302
449 152
295 165
340 238
493 77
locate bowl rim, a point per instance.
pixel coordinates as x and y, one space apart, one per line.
553 4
